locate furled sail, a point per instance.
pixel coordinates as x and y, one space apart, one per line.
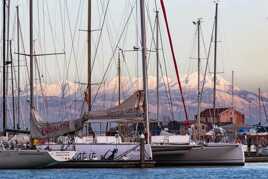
41 129
131 109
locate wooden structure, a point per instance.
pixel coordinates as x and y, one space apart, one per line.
224 116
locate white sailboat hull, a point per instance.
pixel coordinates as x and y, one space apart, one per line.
211 154
31 159
106 152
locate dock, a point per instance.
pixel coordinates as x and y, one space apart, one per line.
106 164
251 157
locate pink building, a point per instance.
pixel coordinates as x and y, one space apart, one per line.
224 116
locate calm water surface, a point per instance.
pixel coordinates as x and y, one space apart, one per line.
251 171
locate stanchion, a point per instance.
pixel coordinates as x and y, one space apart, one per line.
142 149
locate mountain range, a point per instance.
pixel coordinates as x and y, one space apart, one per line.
58 101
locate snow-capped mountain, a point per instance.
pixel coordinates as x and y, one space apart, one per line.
190 82
58 101
56 89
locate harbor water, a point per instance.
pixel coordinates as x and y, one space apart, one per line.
251 171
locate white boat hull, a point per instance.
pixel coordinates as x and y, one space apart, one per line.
32 159
101 152
211 154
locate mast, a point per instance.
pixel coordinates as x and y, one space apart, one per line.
119 77
7 46
157 64
259 105
12 85
233 95
233 108
4 67
7 63
137 42
31 61
89 56
215 63
174 58
198 23
18 49
144 68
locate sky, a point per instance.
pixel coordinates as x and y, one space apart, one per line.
243 36
243 27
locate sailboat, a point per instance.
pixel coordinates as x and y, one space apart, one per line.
105 151
13 156
31 159
179 150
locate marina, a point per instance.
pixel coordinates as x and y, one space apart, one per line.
117 100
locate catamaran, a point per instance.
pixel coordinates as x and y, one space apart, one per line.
178 149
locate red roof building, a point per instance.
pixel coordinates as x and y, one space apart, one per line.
223 116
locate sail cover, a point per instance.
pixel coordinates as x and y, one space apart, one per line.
131 109
41 129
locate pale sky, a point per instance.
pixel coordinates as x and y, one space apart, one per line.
243 34
243 31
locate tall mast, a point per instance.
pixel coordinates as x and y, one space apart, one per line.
4 67
157 64
144 68
7 45
119 77
215 62
89 56
198 23
137 42
12 85
174 58
31 62
18 49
